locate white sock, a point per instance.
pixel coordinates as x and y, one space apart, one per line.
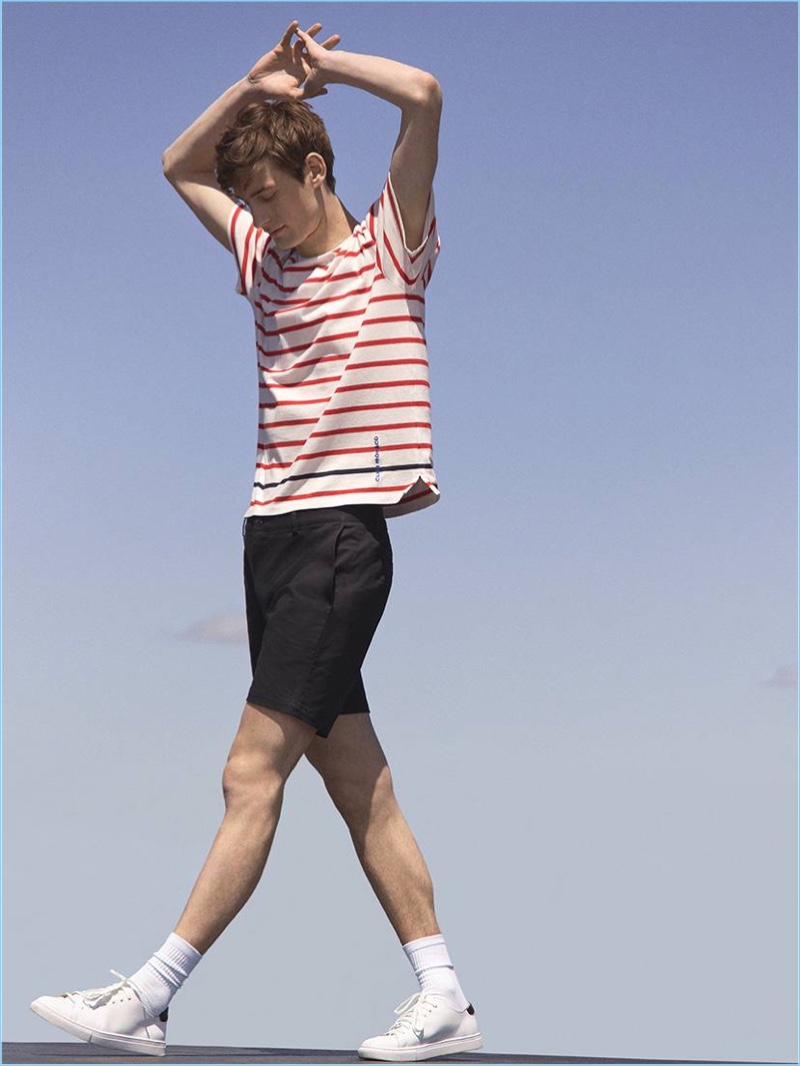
163 974
434 970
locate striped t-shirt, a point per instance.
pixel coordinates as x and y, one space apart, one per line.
344 404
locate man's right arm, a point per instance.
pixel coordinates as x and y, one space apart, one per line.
190 162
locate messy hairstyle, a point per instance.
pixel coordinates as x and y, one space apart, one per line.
282 132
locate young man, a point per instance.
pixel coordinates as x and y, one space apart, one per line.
344 442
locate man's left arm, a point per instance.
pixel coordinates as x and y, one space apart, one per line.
419 97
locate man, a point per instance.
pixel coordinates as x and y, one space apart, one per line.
344 442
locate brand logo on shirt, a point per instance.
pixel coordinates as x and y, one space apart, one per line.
377 441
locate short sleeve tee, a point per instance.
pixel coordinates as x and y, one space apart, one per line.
343 386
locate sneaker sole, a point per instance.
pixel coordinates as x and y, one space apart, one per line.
429 1051
140 1045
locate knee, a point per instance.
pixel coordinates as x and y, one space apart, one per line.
359 799
248 782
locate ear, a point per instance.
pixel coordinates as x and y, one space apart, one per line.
316 170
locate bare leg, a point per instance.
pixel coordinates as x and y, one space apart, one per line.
357 777
266 749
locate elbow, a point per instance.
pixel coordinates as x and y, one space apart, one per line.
429 92
176 169
168 166
172 166
436 95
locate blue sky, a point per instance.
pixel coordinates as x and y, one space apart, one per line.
586 680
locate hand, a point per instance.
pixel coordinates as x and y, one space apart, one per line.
293 70
312 56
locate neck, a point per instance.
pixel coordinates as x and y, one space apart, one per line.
335 225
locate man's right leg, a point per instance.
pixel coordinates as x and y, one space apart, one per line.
267 747
132 1014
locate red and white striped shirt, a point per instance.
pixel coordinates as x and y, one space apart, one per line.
344 404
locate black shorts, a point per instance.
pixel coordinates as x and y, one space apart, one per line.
316 583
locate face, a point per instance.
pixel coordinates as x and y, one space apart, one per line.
288 209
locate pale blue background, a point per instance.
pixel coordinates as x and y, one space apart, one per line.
586 679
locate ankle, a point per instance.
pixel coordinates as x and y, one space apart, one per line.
431 961
164 973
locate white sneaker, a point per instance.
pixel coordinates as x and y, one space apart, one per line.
113 1017
426 1028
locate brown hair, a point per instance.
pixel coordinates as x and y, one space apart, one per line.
283 133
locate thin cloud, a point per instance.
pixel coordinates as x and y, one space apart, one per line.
784 677
220 629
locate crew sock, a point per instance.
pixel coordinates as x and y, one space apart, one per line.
163 974
431 961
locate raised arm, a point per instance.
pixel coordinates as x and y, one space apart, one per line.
419 97
189 162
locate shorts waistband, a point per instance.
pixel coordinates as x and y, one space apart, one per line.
368 513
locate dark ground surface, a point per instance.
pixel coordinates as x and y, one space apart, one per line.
78 1052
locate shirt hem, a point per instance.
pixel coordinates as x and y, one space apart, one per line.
419 496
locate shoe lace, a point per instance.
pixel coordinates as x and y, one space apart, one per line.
96 997
413 1012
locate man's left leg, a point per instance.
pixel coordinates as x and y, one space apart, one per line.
438 1020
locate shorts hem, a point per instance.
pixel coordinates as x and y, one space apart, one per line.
286 707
